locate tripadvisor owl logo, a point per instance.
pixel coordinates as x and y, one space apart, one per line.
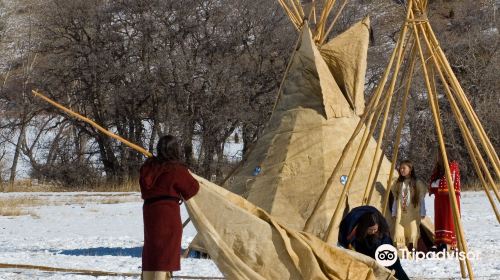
386 255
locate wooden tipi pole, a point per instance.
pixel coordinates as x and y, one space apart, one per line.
365 140
368 114
451 191
367 195
399 129
94 124
464 102
325 35
456 88
329 234
469 141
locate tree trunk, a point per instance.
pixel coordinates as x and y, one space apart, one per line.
248 135
208 159
220 162
17 152
111 166
187 143
1 167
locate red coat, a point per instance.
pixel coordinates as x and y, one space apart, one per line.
162 219
443 215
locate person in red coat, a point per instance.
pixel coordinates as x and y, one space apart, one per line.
165 182
445 236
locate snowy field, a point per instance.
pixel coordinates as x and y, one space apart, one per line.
103 232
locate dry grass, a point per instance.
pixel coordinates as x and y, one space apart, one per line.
477 186
20 205
28 185
112 201
90 198
129 186
17 206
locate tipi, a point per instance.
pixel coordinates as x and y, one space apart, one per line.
317 111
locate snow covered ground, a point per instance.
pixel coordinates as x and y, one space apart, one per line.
82 231
103 231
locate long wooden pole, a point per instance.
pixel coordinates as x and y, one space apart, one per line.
466 134
401 123
288 66
323 36
449 180
380 139
300 16
327 8
296 22
464 102
94 124
475 150
352 172
433 100
95 273
484 140
385 197
101 129
363 144
370 187
329 235
299 9
386 113
367 114
469 141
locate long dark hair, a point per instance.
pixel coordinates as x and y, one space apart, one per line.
167 149
368 220
413 181
439 168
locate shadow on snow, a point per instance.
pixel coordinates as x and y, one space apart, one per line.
104 251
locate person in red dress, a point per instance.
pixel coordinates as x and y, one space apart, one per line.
165 182
445 236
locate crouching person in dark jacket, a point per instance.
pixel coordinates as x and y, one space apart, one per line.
364 229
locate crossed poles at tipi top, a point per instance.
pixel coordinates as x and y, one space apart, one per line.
417 41
298 11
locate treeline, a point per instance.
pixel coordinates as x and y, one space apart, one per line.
199 69
195 69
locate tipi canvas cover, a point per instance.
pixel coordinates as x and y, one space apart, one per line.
312 122
247 243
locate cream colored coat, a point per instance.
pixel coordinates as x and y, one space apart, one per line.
407 223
